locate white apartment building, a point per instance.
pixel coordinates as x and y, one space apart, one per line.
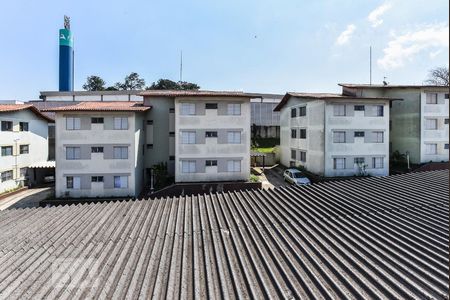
204 136
23 142
419 123
335 135
99 149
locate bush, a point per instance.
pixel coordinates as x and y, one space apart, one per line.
253 178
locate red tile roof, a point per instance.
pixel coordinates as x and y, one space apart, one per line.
18 107
102 106
192 93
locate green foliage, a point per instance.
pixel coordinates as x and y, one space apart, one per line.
254 178
111 88
161 176
398 157
167 84
94 83
132 82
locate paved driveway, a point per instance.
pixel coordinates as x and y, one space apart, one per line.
274 178
27 198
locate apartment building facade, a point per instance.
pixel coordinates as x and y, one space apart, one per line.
419 124
335 135
203 136
23 141
99 149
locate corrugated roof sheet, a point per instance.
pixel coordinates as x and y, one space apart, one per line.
101 106
42 164
384 237
398 86
5 108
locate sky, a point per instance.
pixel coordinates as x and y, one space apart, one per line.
270 46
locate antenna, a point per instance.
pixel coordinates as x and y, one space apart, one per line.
370 64
181 66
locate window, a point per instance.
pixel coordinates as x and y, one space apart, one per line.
149 122
234 137
120 152
339 163
121 123
149 146
390 124
210 163
7 126
234 109
432 98
97 149
7 150
378 137
73 123
97 179
293 154
171 110
339 137
23 172
446 96
210 105
359 108
23 126
73 182
210 134
359 133
377 162
234 166
303 133
293 133
380 110
187 109
359 160
172 157
446 146
445 121
7 175
293 112
24 149
431 124
302 111
73 153
120 182
188 166
302 156
339 109
171 133
188 137
430 148
97 120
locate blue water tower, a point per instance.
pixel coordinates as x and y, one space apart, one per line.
66 57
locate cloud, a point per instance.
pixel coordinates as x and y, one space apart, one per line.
404 47
345 35
374 16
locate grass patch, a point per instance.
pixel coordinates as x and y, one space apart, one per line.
264 150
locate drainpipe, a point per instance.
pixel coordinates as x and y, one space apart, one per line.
407 159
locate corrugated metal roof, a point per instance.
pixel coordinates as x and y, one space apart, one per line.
42 164
384 237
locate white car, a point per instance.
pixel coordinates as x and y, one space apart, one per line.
296 177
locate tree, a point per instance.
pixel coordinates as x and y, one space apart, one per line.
438 76
111 88
132 82
167 84
94 83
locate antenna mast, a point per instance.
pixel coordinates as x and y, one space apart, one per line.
181 66
370 64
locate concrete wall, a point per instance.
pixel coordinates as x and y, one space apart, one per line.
36 138
98 164
212 148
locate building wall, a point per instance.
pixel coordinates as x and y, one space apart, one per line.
97 164
212 148
36 138
95 97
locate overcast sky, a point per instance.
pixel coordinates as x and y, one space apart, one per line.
255 46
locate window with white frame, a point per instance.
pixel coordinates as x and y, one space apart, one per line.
432 98
73 182
96 178
339 163
446 146
120 182
234 137
234 166
431 124
188 166
430 148
210 134
120 152
234 109
339 137
302 111
377 162
379 110
7 150
187 109
303 156
24 149
293 112
339 109
302 133
120 123
73 123
7 175
378 137
188 137
293 133
359 160
293 154
7 125
73 153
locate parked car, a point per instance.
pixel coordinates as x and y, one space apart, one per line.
296 177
